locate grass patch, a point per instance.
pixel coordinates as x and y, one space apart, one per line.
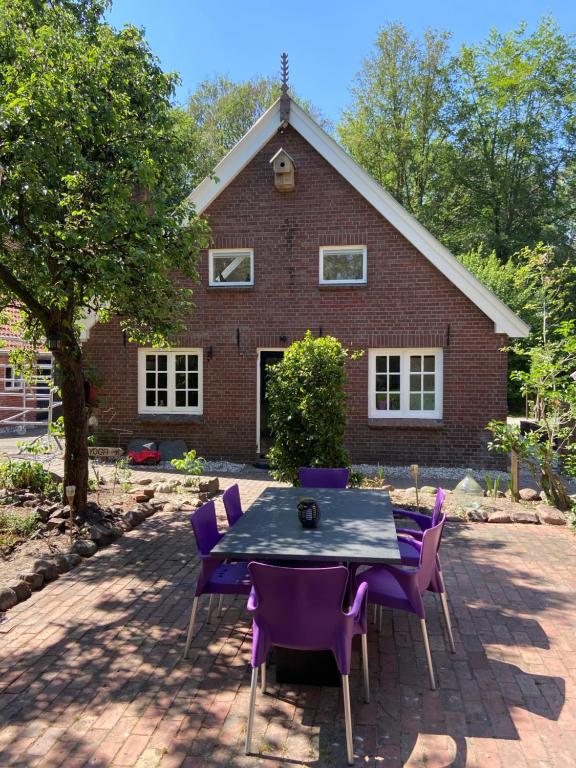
16 527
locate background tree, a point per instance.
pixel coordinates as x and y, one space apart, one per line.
95 163
307 405
222 111
396 126
513 124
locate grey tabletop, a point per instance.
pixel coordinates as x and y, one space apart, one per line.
355 526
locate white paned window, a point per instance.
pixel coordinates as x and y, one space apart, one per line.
12 379
405 383
343 264
231 267
170 381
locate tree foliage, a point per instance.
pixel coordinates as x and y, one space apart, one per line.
222 111
396 126
307 405
481 148
95 165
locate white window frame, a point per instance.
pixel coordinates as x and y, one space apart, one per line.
12 381
226 252
342 248
405 412
171 408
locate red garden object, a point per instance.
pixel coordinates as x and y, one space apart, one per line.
144 456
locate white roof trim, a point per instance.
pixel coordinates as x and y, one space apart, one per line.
505 321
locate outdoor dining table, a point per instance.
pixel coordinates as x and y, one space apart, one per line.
355 526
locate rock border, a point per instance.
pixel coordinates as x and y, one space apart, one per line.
102 533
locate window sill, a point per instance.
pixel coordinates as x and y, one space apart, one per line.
341 286
224 287
172 418
406 423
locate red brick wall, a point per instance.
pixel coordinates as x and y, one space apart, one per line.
406 303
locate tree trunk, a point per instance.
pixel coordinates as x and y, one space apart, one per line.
69 360
555 489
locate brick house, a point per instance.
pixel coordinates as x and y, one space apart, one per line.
317 244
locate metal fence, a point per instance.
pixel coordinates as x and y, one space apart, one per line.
26 402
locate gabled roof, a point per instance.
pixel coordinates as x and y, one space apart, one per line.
505 321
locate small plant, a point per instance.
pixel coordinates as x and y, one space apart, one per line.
492 485
15 475
190 463
15 527
122 474
355 479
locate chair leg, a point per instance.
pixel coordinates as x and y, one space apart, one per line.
375 617
379 618
191 626
365 667
220 603
348 719
446 612
428 654
209 616
251 708
263 677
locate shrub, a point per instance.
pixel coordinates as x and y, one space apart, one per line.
307 405
26 474
189 463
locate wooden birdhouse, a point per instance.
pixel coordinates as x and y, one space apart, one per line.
283 167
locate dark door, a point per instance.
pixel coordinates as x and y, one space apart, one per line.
267 359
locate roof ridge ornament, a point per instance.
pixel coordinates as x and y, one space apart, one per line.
284 96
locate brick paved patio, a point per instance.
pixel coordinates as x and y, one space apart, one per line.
91 672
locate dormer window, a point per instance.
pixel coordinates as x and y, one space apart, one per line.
343 265
230 267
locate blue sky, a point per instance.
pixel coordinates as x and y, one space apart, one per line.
326 41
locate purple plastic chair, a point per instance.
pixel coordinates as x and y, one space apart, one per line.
301 608
393 587
409 543
232 504
216 577
323 477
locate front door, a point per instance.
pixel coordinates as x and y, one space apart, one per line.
266 358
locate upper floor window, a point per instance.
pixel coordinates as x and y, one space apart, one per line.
170 381
231 266
343 264
405 383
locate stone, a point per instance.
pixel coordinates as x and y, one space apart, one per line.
209 485
499 516
166 487
143 481
550 515
139 496
172 449
173 506
476 515
61 563
8 598
34 580
146 509
524 516
84 547
47 568
133 517
21 589
529 494
73 559
428 489
56 524
44 512
100 533
138 444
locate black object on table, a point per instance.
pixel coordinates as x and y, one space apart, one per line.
355 526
